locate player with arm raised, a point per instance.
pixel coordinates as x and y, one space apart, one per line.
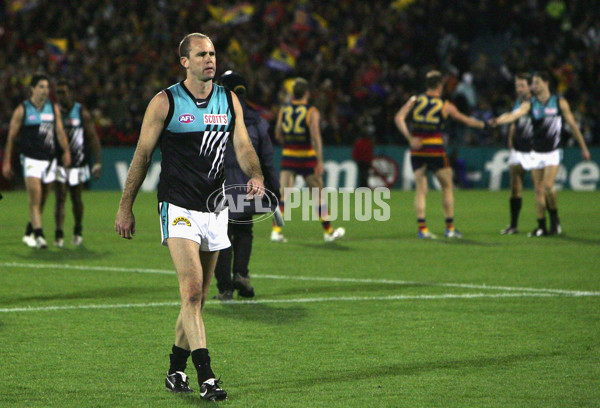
428 113
547 111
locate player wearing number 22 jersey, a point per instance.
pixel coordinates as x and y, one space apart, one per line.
427 113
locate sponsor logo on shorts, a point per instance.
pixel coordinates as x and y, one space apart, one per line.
215 119
182 221
187 118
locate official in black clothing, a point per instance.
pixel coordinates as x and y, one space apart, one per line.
240 216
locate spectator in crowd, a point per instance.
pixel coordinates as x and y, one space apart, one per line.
104 47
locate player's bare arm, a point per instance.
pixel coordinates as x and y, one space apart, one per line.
244 152
152 127
314 127
452 111
511 135
568 115
13 130
278 132
510 117
90 132
62 138
400 121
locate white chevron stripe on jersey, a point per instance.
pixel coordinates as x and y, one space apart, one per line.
208 137
214 142
219 155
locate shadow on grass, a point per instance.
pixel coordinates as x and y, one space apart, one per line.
327 246
101 293
463 241
578 240
397 370
60 254
263 313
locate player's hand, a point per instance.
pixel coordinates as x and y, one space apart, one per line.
125 224
415 143
7 171
585 153
493 122
97 170
66 159
255 188
319 169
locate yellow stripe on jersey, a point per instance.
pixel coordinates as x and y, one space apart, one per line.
432 141
299 153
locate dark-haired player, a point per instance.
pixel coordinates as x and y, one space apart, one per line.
428 113
519 142
298 130
546 111
81 132
37 121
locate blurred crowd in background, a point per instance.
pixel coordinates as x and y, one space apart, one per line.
363 59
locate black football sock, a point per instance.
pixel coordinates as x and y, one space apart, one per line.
77 230
29 229
515 209
59 234
201 360
38 232
553 218
542 223
178 359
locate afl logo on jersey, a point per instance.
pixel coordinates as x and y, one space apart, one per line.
186 118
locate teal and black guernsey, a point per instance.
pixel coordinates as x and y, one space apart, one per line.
193 147
523 136
37 131
73 124
547 124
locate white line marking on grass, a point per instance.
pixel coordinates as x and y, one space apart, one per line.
301 300
313 278
86 268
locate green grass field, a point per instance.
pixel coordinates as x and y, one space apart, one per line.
380 319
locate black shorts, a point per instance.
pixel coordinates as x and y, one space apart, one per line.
433 163
302 171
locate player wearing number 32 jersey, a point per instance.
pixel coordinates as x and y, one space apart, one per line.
428 113
298 130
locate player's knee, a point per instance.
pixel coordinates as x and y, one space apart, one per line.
194 299
193 296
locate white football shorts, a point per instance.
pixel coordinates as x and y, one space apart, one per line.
73 175
518 158
539 160
41 169
206 228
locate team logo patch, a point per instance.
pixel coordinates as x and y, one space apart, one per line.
182 221
215 119
186 118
